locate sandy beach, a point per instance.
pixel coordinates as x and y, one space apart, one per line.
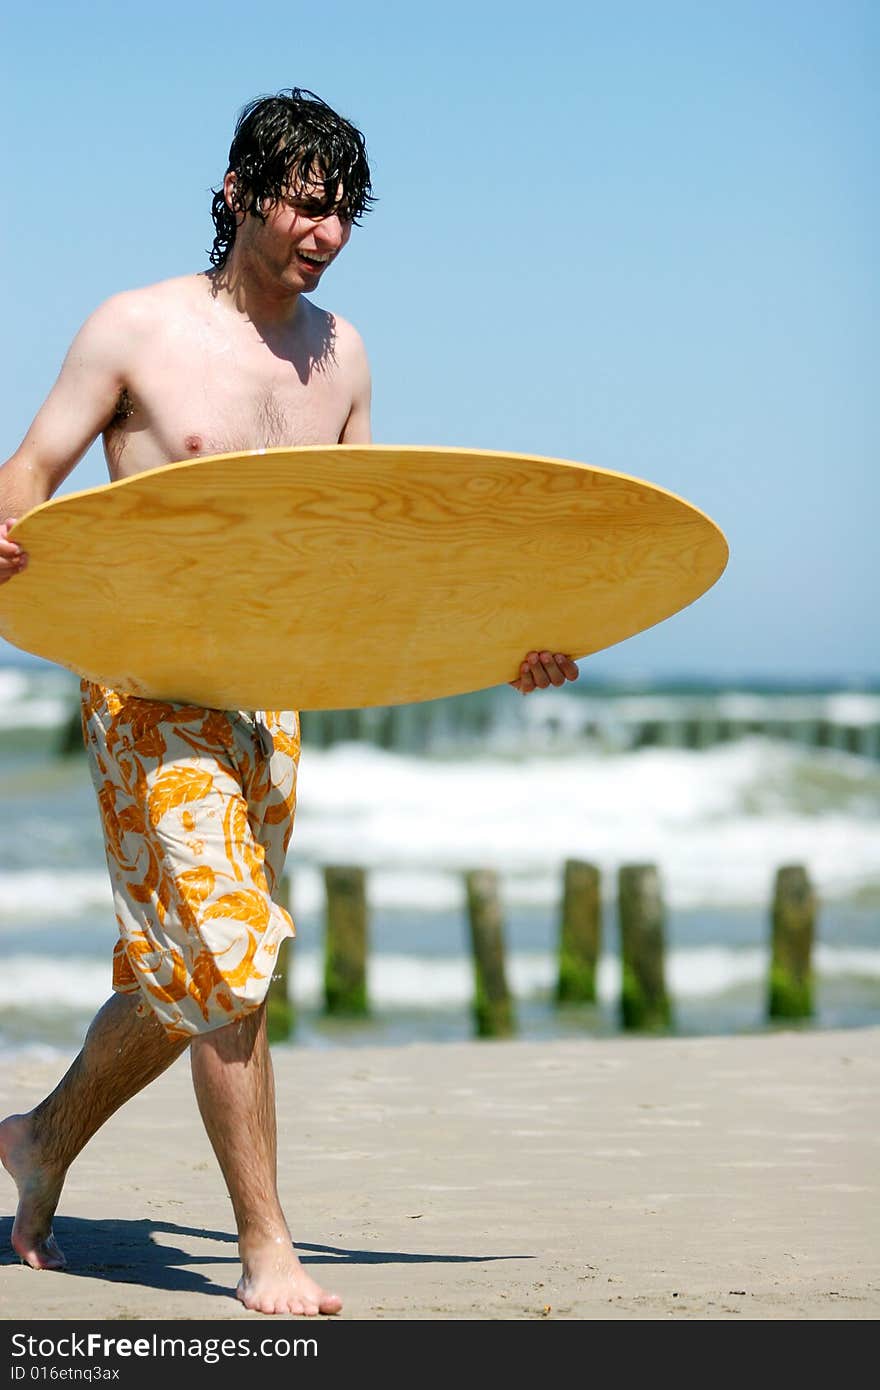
626 1178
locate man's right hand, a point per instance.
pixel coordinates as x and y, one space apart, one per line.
12 558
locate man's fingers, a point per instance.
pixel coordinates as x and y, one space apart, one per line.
525 683
567 667
12 558
553 666
559 667
542 669
8 571
9 550
538 674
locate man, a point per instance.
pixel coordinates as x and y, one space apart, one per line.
197 805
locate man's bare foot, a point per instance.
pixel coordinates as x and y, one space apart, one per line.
38 1191
274 1281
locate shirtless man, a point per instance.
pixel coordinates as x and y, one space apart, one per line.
231 359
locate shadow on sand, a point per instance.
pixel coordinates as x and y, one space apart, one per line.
134 1252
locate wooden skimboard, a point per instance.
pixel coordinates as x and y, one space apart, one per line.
342 576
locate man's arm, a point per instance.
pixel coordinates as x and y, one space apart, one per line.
80 405
356 429
539 669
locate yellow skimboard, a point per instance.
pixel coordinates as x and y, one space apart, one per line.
344 576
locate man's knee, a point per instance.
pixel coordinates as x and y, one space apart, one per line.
235 1039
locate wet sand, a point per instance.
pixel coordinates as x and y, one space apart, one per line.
622 1178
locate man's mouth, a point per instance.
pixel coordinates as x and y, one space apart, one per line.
315 260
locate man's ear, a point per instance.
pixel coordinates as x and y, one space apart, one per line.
229 187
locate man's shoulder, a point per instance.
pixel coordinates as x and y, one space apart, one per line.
348 345
143 301
126 321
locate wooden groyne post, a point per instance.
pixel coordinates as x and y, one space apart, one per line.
280 1013
644 1002
345 948
580 933
493 1006
793 918
70 740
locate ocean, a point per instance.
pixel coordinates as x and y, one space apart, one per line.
717 821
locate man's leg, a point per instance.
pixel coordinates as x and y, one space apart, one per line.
123 1051
200 846
235 1089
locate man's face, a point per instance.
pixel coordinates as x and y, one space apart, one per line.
298 240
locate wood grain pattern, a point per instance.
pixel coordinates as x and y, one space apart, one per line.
340 576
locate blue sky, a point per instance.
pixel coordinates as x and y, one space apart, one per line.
638 235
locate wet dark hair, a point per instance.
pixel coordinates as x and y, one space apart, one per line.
279 142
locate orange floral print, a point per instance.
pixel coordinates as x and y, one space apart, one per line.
197 808
175 787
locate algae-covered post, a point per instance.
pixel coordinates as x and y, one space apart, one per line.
493 1007
280 1016
644 1002
793 921
580 933
345 951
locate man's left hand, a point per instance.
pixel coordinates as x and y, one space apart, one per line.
541 669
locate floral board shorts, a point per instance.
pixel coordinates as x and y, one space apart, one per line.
197 807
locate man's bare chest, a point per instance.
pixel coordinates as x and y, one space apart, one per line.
194 403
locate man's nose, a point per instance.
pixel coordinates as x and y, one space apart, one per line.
331 232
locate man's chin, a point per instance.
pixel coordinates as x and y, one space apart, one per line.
297 281
310 274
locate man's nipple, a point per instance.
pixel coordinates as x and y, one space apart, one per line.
192 443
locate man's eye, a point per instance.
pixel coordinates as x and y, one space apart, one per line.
315 209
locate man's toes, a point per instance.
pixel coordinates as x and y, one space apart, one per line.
291 1300
258 1303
